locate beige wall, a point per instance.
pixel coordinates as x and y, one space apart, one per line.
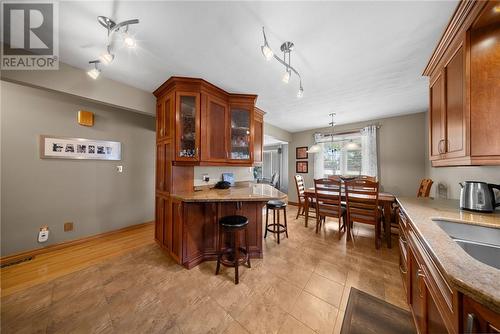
74 81
451 176
401 143
277 133
90 193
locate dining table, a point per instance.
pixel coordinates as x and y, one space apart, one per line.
386 201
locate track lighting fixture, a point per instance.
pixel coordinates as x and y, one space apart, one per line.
286 48
107 57
95 71
112 27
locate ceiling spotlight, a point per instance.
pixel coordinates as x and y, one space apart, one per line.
286 48
286 76
107 57
94 72
300 93
129 40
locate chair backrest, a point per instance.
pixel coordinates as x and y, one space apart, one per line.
425 188
275 179
299 184
335 178
366 177
328 197
362 200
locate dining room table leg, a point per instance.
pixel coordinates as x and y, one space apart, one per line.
306 209
387 222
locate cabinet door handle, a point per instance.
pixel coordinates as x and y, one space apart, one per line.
471 319
420 276
440 150
403 270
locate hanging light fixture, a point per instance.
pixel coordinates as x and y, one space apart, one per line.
112 27
286 48
95 71
316 148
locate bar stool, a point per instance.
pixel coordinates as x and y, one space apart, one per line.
276 227
230 257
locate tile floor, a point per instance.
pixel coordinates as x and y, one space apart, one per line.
300 286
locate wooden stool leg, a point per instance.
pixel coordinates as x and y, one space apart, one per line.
236 257
247 248
286 224
267 219
219 252
278 226
274 222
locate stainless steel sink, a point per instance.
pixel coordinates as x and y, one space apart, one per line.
482 243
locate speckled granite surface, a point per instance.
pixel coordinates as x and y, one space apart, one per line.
465 273
240 192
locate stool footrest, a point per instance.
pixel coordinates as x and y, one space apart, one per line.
281 228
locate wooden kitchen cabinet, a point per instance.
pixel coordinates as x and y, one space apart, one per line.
478 319
208 125
464 89
258 135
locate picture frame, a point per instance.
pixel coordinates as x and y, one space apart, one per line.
54 147
301 167
301 152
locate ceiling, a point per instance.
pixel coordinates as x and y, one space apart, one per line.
362 60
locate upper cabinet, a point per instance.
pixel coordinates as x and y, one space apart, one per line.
258 133
464 88
208 125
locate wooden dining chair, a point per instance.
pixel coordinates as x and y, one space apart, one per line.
328 203
335 178
362 205
299 184
425 188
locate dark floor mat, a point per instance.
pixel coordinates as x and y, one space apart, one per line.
366 314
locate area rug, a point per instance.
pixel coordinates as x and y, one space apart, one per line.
368 314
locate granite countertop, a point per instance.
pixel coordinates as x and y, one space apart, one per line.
240 192
465 273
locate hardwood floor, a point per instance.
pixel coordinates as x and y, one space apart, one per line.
128 285
60 262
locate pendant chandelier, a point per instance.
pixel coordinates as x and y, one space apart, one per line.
316 148
286 48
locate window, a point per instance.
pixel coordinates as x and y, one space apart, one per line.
342 156
348 154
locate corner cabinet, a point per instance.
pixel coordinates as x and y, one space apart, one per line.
208 125
464 96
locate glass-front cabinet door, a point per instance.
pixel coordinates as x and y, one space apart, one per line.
240 134
188 124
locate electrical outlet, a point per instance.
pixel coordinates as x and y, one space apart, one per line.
119 169
68 226
205 178
43 234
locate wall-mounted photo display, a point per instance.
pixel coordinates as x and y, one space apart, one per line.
79 148
301 152
301 167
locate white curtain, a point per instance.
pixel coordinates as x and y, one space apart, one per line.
369 161
319 165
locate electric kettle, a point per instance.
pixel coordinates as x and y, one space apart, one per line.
478 196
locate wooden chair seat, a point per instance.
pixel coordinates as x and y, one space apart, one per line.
328 195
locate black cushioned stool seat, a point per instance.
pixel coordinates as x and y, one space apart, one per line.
276 227
232 254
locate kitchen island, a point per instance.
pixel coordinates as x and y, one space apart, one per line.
190 225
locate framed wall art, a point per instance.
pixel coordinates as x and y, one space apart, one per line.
301 152
52 147
301 167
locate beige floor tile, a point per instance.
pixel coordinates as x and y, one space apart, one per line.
334 272
233 298
315 313
262 316
293 326
235 328
282 293
321 287
205 317
338 322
